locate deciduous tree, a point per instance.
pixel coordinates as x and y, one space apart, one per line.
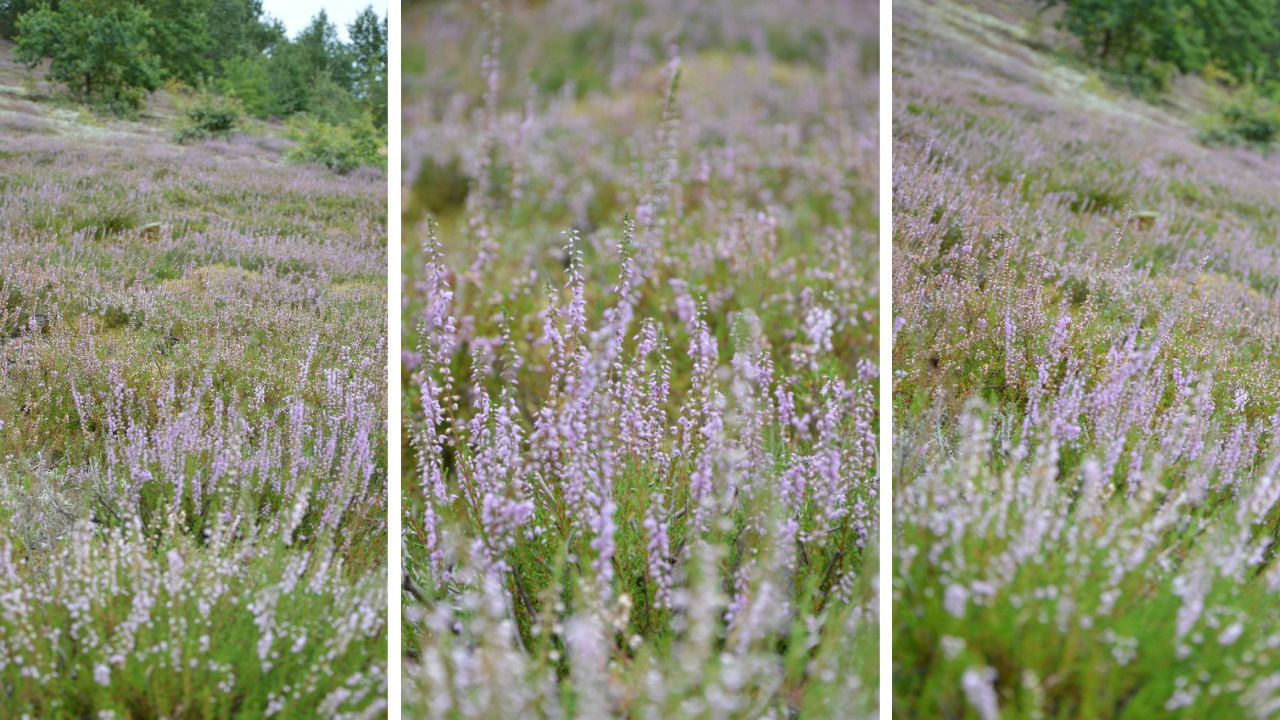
1150 39
100 50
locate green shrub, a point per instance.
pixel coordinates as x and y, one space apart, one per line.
1146 78
341 148
208 116
439 188
797 46
1247 118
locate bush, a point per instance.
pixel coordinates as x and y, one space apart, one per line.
208 116
439 188
341 148
1248 118
1146 78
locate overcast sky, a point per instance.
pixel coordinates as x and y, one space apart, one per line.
297 15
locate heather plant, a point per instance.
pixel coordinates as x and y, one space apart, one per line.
1085 415
192 455
639 385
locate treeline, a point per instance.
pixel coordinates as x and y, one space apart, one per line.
1146 43
1142 45
111 53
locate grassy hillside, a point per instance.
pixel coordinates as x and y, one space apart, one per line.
640 333
1085 398
192 455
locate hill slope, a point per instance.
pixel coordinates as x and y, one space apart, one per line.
192 404
1085 389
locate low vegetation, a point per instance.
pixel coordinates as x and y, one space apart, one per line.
1085 405
192 412
640 331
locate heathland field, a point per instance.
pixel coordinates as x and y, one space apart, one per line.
640 340
1086 394
192 413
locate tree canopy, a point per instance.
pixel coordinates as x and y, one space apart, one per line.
1148 40
98 51
112 53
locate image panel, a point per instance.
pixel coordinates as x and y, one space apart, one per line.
640 341
193 353
1085 265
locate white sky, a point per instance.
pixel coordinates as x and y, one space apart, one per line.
297 15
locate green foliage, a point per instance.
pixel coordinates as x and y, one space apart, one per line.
245 78
11 10
369 52
101 52
112 54
238 30
321 49
316 74
577 59
341 148
1145 42
440 188
180 37
329 101
208 116
788 45
1247 118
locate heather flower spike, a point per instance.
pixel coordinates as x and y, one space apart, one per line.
642 407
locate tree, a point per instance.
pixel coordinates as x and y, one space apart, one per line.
1237 33
237 29
11 10
369 51
321 49
180 37
100 50
329 101
314 73
1150 39
288 80
246 77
